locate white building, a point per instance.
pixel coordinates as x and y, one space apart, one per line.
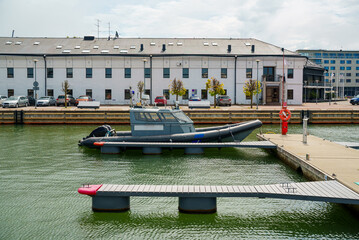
106 69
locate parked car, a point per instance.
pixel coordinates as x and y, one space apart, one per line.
46 101
194 98
223 100
31 101
15 101
2 98
161 100
61 100
355 100
84 98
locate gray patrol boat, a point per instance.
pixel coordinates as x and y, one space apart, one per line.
168 125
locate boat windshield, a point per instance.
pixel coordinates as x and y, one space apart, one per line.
182 117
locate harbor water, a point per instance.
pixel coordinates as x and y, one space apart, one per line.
41 168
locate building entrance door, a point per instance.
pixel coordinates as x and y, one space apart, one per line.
272 95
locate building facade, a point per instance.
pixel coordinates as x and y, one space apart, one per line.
341 70
108 70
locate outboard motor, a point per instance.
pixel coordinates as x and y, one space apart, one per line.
101 131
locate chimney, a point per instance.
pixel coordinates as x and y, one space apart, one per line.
141 48
163 47
229 49
253 47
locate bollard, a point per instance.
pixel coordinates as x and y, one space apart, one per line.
305 130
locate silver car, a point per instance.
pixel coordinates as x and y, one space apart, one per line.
46 101
15 101
2 99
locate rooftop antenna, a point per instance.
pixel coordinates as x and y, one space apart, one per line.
12 35
98 28
109 30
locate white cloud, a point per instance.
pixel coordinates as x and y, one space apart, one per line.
293 23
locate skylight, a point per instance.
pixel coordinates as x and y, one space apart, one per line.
170 44
36 43
133 47
77 47
116 47
179 44
214 44
95 47
85 51
8 43
123 51
66 51
18 43
206 44
247 44
58 47
104 51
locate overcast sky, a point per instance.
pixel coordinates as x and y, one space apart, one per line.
293 24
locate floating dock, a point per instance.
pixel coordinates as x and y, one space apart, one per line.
319 159
189 148
203 199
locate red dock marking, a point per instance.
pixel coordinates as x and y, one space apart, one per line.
89 189
98 144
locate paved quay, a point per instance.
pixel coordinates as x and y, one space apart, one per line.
318 158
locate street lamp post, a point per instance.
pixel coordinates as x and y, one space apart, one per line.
316 95
305 91
35 84
144 76
257 83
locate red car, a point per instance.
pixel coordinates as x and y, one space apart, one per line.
161 100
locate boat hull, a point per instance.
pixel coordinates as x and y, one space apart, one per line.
226 133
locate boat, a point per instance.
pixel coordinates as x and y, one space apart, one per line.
168 125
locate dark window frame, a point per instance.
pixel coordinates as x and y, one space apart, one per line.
50 73
30 72
204 72
185 72
223 72
290 73
249 72
127 72
108 72
10 73
108 94
166 72
147 72
69 72
290 94
88 72
127 93
88 92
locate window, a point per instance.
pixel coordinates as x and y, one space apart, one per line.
50 92
357 68
10 92
108 94
348 80
326 74
332 68
223 72
357 74
326 61
349 68
342 68
127 94
342 61
326 68
70 92
30 92
357 62
50 73
357 80
10 73
147 72
348 74
30 72
89 92
166 73
204 94
290 72
185 72
290 94
166 93
204 74
148 92
185 96
318 55
318 61
69 73
332 61
88 72
127 72
249 73
349 61
108 73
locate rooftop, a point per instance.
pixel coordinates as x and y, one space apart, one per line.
132 46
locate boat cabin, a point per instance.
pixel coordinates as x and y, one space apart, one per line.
155 121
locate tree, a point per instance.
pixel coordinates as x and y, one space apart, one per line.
214 87
140 87
251 88
177 88
65 89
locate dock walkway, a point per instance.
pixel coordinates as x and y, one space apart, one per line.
318 159
111 197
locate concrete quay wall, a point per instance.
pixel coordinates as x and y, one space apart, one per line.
199 116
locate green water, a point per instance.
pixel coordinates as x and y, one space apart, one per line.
41 168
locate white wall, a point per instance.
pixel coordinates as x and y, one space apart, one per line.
118 83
